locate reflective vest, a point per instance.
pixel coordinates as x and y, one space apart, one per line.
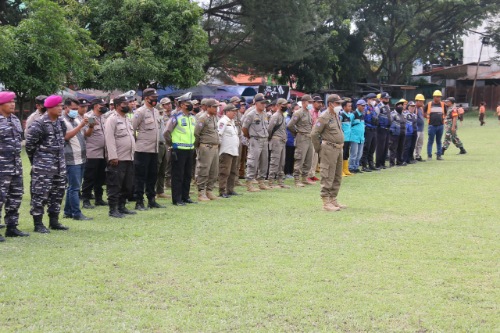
183 133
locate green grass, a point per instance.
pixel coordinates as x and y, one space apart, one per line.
416 251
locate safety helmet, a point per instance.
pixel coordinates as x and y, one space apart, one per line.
379 95
402 100
437 93
420 97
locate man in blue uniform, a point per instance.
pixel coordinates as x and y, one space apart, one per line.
384 123
371 124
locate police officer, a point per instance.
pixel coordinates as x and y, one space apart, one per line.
120 149
328 140
239 103
11 169
83 107
371 124
40 110
398 133
164 160
146 123
255 124
94 175
228 152
179 134
207 142
277 137
383 110
300 126
411 133
45 150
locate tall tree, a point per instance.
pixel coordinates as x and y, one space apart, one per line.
148 43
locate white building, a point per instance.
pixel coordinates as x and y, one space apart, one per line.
472 46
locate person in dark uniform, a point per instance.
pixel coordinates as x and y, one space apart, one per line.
371 124
411 133
398 133
179 134
120 149
45 150
384 123
11 168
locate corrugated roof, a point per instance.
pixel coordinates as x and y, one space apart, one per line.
483 76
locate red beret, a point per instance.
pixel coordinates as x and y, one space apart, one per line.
6 96
52 101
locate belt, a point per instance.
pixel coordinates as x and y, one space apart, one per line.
161 143
304 134
257 138
335 145
208 145
278 138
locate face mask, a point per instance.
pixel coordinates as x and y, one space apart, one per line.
337 109
399 109
372 103
125 109
309 107
196 110
283 108
189 108
153 102
103 109
73 114
385 103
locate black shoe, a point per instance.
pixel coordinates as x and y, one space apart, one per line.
125 211
391 165
189 201
180 203
41 229
82 217
67 216
87 204
224 195
462 151
232 193
14 232
58 226
100 202
412 162
373 168
443 150
114 212
154 204
2 239
139 205
439 158
365 169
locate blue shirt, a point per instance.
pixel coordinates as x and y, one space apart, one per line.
357 127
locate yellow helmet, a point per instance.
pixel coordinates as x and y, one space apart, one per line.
402 100
379 95
420 97
437 93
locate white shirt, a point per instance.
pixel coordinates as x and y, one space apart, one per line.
228 134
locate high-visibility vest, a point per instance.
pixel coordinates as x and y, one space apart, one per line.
183 133
429 106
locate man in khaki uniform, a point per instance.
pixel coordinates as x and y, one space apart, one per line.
164 162
255 124
228 152
300 126
277 136
238 102
146 123
120 148
328 139
207 142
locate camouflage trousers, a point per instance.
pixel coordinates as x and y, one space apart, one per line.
11 193
46 190
449 137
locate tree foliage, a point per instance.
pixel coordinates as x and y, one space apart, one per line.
148 43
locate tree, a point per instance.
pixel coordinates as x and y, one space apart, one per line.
45 51
12 12
398 32
148 43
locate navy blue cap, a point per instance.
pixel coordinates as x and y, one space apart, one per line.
371 95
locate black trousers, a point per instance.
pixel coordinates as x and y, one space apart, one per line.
369 146
347 149
289 160
119 182
410 142
182 165
94 177
397 148
146 172
382 146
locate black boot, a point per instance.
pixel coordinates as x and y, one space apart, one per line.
462 151
87 204
153 204
139 205
124 210
365 168
443 150
54 222
100 202
39 227
113 212
373 167
12 231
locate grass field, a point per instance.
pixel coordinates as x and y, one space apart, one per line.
416 251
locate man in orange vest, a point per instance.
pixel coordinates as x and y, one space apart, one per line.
435 113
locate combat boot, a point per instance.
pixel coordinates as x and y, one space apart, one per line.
87 204
373 167
100 202
211 196
124 210
12 231
139 205
462 151
153 204
307 181
335 203
327 205
39 227
114 212
250 187
298 183
238 183
54 222
443 150
263 186
202 196
281 184
271 184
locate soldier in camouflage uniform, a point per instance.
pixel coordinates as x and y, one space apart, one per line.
40 110
11 169
450 127
45 149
